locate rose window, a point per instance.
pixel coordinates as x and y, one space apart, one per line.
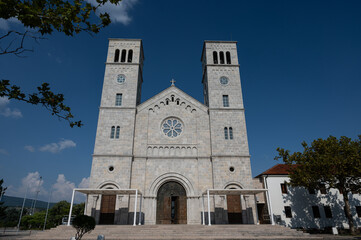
172 127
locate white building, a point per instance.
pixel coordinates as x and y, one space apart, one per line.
171 149
301 208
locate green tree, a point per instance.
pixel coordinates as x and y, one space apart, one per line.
43 17
83 224
35 221
331 162
57 212
78 209
2 193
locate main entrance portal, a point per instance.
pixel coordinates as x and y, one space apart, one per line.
171 204
234 209
107 209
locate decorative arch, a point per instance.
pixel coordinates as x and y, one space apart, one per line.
168 177
107 184
233 184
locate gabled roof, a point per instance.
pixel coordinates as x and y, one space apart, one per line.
279 169
172 90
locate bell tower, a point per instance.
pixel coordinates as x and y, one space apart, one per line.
113 150
223 95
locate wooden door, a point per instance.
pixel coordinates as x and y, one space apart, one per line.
234 209
171 204
107 209
182 210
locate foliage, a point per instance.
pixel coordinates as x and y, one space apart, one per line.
51 101
83 224
35 221
11 217
2 192
68 17
55 215
43 17
57 212
330 163
78 209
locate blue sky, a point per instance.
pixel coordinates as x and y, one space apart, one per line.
300 64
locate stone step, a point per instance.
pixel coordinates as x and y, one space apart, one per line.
152 232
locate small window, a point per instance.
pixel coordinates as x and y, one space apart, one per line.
116 55
284 188
215 57
323 189
221 57
230 133
311 191
172 97
112 132
288 212
117 132
231 169
228 57
118 99
111 168
130 56
225 133
225 101
358 211
316 212
328 211
124 52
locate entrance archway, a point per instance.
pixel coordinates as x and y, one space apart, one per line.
234 209
171 204
107 208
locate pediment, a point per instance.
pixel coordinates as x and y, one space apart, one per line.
172 95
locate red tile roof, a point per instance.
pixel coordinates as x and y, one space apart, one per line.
279 169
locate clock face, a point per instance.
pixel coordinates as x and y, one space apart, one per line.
121 78
223 80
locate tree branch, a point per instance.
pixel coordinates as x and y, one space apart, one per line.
51 101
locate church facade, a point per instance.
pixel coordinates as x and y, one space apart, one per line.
172 148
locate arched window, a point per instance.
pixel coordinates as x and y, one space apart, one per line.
124 52
116 55
230 133
172 98
225 133
228 57
130 56
117 132
112 132
221 57
215 57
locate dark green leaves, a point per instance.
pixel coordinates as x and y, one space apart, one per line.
44 96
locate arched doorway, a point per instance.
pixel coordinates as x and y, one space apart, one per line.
234 209
171 204
107 209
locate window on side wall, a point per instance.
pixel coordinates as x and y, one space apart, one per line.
316 212
288 212
284 188
328 211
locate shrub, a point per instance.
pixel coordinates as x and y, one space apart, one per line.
83 224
